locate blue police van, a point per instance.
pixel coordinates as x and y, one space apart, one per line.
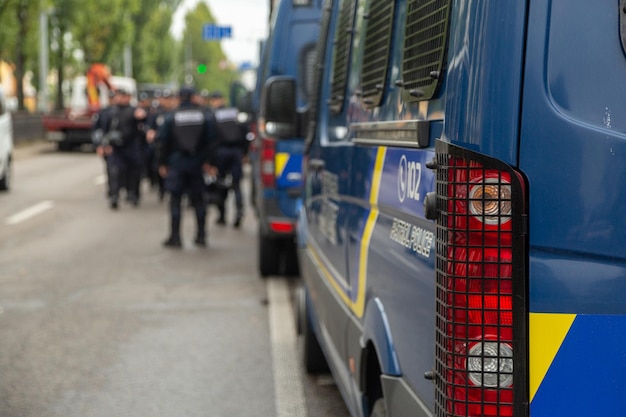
276 157
461 237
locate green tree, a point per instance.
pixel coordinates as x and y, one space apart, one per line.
155 49
61 21
102 29
19 19
7 29
99 31
218 74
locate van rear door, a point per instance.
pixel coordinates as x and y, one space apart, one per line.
573 152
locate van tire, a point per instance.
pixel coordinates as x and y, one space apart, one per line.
5 182
269 256
379 409
314 359
292 265
64 147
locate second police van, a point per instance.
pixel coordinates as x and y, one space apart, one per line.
277 158
461 238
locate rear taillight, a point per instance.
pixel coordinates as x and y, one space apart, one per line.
481 286
268 153
281 226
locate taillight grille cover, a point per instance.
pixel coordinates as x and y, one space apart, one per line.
480 354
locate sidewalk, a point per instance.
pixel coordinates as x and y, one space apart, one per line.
23 149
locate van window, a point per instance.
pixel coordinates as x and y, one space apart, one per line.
376 51
341 54
426 33
318 71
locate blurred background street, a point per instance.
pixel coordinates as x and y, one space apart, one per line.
98 319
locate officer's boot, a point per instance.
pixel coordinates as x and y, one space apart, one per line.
174 240
221 208
201 234
238 219
114 185
238 204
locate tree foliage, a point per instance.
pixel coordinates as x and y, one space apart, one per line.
154 55
17 40
218 74
84 32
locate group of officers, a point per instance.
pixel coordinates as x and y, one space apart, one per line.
178 142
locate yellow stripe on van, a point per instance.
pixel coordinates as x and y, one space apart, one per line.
377 175
546 333
280 162
359 305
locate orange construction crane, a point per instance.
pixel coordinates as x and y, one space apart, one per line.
97 74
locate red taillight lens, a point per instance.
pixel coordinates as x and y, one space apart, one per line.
282 227
268 153
480 266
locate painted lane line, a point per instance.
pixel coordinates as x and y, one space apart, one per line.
29 212
288 376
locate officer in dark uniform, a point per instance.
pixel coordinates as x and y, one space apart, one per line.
100 122
153 121
232 147
187 140
122 142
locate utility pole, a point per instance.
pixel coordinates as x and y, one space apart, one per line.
128 61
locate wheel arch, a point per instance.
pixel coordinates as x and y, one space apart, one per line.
378 355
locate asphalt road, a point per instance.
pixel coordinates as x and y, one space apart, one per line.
97 319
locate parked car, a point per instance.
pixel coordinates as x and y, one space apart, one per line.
6 144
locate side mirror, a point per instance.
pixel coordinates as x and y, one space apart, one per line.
278 107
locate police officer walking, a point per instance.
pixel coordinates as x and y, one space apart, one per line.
187 141
100 122
122 144
161 106
232 147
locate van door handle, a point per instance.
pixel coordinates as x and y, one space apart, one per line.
317 164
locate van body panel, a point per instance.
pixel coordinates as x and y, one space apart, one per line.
573 153
286 52
400 245
529 92
481 105
569 126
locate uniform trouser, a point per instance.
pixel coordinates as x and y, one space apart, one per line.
152 169
191 181
108 174
229 161
124 169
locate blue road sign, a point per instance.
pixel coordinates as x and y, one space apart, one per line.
211 32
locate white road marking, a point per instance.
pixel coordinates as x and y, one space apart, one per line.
289 392
29 212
